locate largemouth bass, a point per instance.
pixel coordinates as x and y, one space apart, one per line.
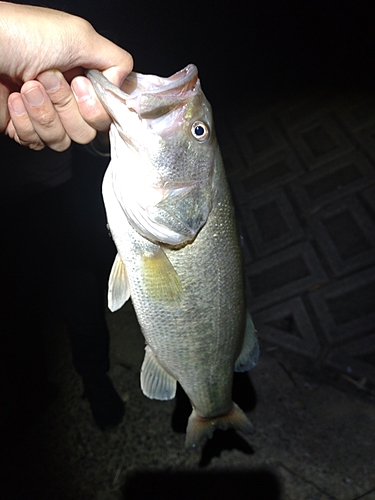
171 217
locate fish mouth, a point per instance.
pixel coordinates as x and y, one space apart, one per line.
176 213
149 96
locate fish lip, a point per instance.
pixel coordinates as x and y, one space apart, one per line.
165 85
178 87
177 79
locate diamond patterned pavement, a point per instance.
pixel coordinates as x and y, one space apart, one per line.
303 179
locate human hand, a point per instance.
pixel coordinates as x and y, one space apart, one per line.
45 109
46 112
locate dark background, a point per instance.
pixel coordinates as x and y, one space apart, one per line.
244 50
244 47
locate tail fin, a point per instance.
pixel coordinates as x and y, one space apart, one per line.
199 428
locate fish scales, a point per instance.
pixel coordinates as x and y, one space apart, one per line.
201 330
180 258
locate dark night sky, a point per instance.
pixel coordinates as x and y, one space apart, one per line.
243 46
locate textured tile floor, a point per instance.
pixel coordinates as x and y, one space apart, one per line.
302 174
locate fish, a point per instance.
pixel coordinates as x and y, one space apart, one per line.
179 258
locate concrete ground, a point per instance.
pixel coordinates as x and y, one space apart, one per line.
302 174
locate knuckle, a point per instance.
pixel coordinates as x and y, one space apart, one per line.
62 145
45 120
26 135
96 117
33 143
36 146
64 101
59 142
84 136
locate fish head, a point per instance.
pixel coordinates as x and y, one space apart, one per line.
162 152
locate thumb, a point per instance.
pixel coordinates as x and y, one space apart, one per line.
100 53
116 74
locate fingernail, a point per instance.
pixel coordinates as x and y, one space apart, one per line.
50 80
34 96
83 90
17 105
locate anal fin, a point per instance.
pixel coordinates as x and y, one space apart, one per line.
156 383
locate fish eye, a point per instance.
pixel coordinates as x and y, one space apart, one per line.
200 131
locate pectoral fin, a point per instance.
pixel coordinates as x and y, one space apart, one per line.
156 383
118 285
249 356
160 278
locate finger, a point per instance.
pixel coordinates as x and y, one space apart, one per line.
116 74
43 117
100 53
90 108
66 106
4 113
10 131
20 127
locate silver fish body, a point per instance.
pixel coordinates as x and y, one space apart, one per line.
171 216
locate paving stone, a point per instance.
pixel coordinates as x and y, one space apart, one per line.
259 138
233 163
356 358
288 324
337 179
298 488
346 234
369 198
298 112
346 308
265 175
283 275
366 139
246 253
319 141
271 223
368 496
356 114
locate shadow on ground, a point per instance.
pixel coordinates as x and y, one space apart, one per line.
166 485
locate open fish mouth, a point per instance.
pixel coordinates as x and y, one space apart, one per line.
148 95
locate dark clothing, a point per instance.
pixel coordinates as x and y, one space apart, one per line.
55 256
